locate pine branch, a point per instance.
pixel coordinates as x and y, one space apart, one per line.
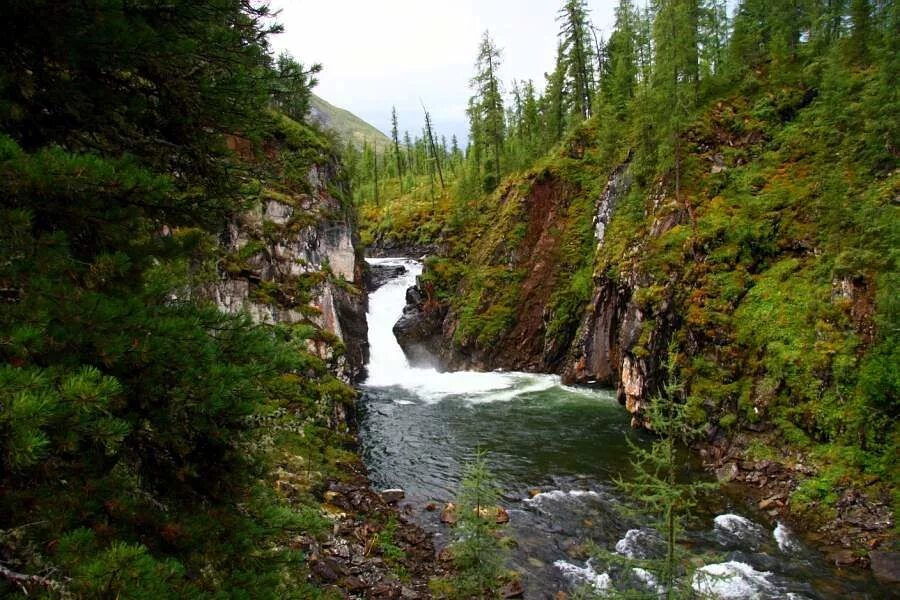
29 581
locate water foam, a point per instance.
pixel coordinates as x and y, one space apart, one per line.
639 543
736 527
585 574
649 580
732 580
388 365
560 495
785 539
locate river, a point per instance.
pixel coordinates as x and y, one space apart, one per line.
555 451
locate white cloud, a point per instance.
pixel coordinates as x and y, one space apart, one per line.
381 53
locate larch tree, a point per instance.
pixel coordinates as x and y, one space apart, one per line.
486 114
575 40
395 137
676 78
435 155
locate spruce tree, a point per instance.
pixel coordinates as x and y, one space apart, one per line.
575 41
486 114
395 137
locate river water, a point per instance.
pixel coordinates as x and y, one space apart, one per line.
555 451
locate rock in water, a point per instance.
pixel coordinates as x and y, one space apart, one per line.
448 515
377 275
513 589
393 495
886 566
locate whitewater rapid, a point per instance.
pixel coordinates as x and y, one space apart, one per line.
389 367
554 451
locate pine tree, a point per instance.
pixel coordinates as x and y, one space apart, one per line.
575 42
656 485
292 86
555 101
676 78
713 35
486 114
622 68
395 136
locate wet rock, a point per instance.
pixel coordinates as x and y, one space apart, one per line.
727 473
513 589
393 495
502 516
448 514
431 507
420 329
377 275
843 558
885 566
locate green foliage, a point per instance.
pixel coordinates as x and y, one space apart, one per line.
657 485
476 548
137 421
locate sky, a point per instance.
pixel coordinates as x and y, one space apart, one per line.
381 53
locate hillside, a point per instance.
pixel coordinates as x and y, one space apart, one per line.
348 126
752 233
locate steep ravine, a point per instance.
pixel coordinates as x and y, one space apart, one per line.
621 342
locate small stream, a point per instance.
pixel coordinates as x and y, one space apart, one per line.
555 450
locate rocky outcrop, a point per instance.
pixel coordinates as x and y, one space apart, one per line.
618 343
294 258
376 275
419 330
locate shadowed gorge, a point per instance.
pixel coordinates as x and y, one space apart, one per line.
631 334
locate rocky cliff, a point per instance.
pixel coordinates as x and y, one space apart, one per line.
535 326
294 258
768 269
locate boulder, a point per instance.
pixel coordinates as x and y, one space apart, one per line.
513 589
448 515
377 275
885 566
393 495
420 330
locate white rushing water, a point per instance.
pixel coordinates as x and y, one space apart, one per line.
388 365
554 450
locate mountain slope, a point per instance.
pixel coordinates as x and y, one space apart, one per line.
345 124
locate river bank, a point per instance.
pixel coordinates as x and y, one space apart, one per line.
476 410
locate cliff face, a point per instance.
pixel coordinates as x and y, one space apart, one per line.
602 338
619 343
294 258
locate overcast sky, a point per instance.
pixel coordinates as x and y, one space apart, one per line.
379 53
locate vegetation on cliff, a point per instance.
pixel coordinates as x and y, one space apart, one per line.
140 426
734 180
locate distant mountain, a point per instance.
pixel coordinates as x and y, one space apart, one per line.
348 126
